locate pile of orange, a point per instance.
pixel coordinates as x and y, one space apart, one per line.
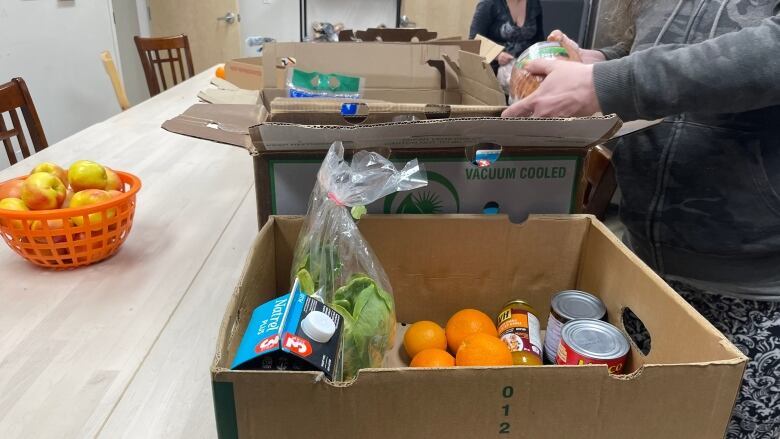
470 335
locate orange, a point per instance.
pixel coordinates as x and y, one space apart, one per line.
483 350
424 335
467 322
433 358
220 73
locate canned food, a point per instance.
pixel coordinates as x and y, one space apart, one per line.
518 327
567 306
590 341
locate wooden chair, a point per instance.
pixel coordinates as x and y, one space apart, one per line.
600 181
116 81
15 95
150 51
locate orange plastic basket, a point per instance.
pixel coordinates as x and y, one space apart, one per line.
49 238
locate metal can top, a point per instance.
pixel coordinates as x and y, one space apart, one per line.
521 304
595 339
572 304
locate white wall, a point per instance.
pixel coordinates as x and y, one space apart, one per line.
355 14
127 59
268 18
55 45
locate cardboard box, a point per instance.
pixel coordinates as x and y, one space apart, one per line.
539 169
246 73
684 388
394 72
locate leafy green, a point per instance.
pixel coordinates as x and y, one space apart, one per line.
306 281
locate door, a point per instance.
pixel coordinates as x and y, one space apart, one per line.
449 18
127 26
212 26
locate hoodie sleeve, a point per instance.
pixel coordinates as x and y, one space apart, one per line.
732 73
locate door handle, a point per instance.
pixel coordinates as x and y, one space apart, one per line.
229 18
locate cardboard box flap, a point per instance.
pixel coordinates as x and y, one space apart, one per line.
442 133
395 34
387 66
476 79
348 112
488 49
223 123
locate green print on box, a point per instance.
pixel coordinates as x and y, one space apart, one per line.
514 185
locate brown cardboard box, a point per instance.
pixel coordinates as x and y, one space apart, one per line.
684 388
394 72
287 156
246 73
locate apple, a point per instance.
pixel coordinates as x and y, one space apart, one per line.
13 204
86 198
53 169
11 189
68 196
114 193
114 182
43 191
85 174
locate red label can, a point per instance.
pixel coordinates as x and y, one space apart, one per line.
590 341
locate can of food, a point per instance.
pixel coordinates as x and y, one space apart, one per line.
567 306
589 341
518 327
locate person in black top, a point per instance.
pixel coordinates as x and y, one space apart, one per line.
515 24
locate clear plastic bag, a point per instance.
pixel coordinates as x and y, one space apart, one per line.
335 264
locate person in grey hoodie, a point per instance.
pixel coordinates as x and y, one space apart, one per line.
701 190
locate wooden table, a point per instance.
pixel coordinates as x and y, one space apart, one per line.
122 348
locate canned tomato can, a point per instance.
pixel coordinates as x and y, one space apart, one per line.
567 306
519 329
590 341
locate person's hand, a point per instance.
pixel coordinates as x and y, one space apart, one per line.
505 58
571 46
566 91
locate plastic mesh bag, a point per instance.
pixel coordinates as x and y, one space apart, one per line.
335 264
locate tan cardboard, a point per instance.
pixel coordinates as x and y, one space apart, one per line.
223 123
329 111
246 73
684 388
395 34
440 133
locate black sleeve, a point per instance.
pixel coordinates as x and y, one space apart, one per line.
483 18
540 34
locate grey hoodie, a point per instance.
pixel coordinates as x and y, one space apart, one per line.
700 191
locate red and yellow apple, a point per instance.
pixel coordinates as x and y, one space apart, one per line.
114 183
13 204
85 174
43 191
89 197
54 169
11 189
114 193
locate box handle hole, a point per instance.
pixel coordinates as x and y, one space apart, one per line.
637 331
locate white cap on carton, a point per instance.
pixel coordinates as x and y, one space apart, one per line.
318 326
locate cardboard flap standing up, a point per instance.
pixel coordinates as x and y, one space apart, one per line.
442 133
684 388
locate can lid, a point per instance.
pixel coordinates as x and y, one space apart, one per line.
318 326
573 304
595 339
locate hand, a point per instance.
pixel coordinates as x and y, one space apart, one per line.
585 55
566 91
505 58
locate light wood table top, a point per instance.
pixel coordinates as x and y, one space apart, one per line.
122 348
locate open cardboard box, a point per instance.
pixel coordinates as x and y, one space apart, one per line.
684 388
246 73
394 72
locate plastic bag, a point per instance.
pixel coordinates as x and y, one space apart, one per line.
333 262
302 84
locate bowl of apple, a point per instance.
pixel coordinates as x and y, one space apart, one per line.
57 218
